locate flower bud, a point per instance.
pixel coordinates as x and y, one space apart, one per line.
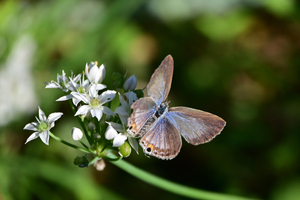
76 134
96 136
125 149
81 161
94 73
91 127
130 83
118 80
100 165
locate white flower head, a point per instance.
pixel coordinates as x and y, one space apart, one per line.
124 110
130 83
43 126
81 87
95 74
76 134
95 102
119 135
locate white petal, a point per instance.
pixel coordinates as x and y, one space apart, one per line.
92 91
54 116
31 126
107 96
94 74
77 78
100 86
52 85
65 98
102 73
81 97
119 140
97 112
42 115
82 110
116 126
123 101
110 133
75 101
130 83
45 137
76 134
121 111
131 98
107 111
32 137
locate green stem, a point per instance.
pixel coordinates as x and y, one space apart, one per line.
173 187
68 144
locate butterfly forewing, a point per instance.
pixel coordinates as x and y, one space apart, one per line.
160 82
162 141
196 126
143 109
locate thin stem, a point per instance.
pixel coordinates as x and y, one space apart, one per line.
68 144
173 187
83 144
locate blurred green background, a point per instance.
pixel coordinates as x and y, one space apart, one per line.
238 59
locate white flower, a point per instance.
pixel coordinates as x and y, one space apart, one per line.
95 102
63 82
76 134
119 138
94 74
130 83
43 126
81 87
124 110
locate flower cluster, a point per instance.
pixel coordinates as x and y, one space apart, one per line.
103 128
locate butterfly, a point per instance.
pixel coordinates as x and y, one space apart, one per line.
160 127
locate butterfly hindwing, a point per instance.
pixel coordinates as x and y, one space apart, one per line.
196 126
162 141
143 109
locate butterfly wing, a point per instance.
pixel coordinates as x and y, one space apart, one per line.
143 109
162 141
196 126
160 82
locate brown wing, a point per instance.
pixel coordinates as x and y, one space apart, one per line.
196 126
162 141
160 82
143 109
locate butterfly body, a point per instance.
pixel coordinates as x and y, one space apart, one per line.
160 127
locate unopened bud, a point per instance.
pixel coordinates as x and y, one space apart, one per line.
125 149
81 161
76 134
118 80
130 83
91 127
